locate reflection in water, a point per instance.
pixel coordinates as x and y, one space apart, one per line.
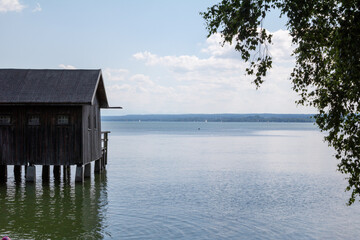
63 210
270 183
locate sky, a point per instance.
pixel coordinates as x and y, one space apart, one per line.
154 54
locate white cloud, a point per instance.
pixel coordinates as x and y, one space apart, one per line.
187 63
213 84
142 79
115 75
215 47
282 48
139 92
66 66
11 6
37 8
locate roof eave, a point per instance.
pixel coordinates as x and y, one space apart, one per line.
45 103
103 103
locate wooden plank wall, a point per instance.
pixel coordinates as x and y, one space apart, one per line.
86 135
96 130
46 144
91 133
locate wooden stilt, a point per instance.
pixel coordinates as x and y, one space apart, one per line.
57 172
3 173
17 173
66 173
31 174
45 173
97 168
105 146
79 176
103 167
87 170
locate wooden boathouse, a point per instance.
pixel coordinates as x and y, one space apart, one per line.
51 117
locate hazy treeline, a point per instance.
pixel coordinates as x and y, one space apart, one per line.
214 117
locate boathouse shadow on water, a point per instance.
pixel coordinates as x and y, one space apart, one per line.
62 209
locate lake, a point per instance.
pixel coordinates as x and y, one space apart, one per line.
192 180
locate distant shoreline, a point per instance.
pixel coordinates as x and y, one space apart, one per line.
265 117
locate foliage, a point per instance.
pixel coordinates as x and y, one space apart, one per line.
326 34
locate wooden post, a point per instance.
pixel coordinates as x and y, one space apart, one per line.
105 146
87 170
97 168
45 173
17 173
57 172
103 167
79 176
3 173
66 172
31 173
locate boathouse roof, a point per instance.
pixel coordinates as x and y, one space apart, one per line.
52 86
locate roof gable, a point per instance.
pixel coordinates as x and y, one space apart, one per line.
51 86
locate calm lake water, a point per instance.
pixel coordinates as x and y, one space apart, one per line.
168 180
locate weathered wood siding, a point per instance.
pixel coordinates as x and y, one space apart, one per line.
86 135
91 132
45 144
96 130
12 146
